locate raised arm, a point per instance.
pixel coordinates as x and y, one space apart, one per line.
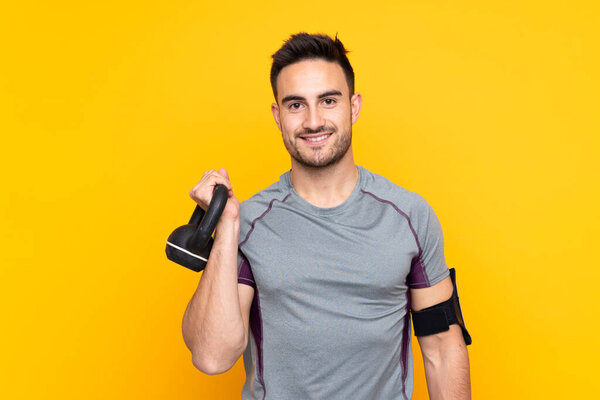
215 323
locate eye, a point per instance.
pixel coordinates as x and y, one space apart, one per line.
295 106
329 102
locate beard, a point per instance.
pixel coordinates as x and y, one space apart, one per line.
319 157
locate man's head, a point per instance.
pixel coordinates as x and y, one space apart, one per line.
315 107
304 46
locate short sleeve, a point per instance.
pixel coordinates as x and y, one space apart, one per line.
244 271
429 265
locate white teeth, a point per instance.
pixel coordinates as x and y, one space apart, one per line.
317 138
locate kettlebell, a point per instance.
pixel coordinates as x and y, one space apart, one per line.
190 245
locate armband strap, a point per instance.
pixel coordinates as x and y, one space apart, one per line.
438 318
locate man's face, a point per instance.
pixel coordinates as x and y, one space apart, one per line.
314 112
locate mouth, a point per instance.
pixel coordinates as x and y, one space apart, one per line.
315 140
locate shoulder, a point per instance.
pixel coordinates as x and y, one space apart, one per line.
260 202
387 192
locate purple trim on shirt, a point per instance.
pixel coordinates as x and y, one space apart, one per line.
261 216
256 327
255 314
417 278
406 334
401 213
245 273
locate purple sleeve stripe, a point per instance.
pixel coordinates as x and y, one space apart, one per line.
260 217
417 278
248 282
245 273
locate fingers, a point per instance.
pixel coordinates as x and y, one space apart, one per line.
216 178
202 192
223 172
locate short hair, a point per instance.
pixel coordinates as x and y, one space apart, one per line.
304 46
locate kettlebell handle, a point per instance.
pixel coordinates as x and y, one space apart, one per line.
207 221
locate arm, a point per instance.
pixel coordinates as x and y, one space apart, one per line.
215 323
445 354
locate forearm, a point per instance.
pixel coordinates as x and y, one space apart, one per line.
447 369
213 327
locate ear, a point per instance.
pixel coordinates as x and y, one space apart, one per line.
356 105
275 111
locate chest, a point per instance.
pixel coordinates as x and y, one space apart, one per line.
340 261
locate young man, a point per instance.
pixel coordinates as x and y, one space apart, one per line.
313 279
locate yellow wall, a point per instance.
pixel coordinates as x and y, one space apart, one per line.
111 110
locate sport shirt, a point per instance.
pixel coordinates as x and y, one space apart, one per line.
330 317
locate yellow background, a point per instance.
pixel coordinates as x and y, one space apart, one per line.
110 111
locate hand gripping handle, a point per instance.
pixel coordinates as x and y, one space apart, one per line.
207 222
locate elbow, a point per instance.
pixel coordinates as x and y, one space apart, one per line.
210 366
213 364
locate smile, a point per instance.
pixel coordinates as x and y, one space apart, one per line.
317 139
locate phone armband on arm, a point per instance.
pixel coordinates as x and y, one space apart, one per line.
438 318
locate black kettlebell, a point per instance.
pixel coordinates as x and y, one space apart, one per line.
189 245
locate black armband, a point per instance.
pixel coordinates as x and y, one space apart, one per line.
438 318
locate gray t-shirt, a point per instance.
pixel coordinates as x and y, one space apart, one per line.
330 317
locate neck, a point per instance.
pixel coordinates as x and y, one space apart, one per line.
325 187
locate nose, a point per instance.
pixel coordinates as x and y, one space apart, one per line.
314 120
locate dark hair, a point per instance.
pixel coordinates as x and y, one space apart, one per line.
304 46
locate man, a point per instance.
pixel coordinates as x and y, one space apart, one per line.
313 279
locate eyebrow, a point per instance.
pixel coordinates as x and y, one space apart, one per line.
296 97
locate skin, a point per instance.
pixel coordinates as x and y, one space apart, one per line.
313 99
